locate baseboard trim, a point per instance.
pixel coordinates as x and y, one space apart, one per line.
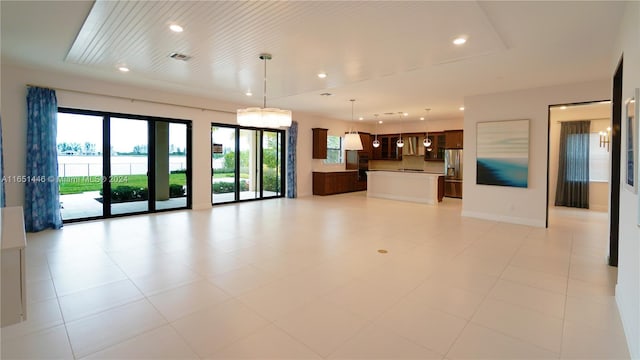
503 218
634 351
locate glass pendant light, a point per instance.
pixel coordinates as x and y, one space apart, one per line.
427 142
400 142
376 143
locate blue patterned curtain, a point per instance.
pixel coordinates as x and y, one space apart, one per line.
42 199
292 191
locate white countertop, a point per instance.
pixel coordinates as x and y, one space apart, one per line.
419 172
332 171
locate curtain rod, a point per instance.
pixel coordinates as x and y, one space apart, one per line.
560 122
132 99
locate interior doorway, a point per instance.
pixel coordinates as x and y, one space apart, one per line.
578 174
579 148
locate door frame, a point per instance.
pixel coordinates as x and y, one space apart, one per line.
616 148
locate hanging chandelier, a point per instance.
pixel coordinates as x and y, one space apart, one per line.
352 139
264 117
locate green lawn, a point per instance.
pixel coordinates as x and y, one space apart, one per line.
219 175
79 184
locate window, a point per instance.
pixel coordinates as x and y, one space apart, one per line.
598 160
575 160
334 150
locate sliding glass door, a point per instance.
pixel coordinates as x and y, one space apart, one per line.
170 165
129 166
247 163
223 165
272 163
116 164
80 164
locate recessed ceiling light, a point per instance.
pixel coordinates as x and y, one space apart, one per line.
322 75
248 93
176 28
460 40
405 114
123 69
421 117
360 118
461 108
563 107
380 122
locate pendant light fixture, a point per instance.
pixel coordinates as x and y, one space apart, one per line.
426 142
376 143
264 117
352 139
400 142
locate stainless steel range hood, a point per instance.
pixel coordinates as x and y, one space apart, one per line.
410 146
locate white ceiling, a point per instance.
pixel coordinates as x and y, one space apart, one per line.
390 56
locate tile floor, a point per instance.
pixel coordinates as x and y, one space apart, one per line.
302 279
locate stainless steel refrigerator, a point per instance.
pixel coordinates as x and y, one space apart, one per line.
453 173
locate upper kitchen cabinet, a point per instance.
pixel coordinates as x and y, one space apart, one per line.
319 143
366 143
438 144
453 139
388 150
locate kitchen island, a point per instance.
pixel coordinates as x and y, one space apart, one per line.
406 185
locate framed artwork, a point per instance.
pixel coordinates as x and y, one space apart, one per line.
630 124
502 156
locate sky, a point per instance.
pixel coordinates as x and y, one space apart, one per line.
125 133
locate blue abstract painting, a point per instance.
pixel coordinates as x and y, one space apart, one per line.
503 153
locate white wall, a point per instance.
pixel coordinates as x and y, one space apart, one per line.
517 205
628 287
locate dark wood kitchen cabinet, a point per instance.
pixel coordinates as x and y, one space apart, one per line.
453 188
329 183
367 147
438 140
453 139
319 143
388 149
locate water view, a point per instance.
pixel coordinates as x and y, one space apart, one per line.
80 165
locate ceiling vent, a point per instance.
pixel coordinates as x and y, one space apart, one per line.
179 56
326 94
